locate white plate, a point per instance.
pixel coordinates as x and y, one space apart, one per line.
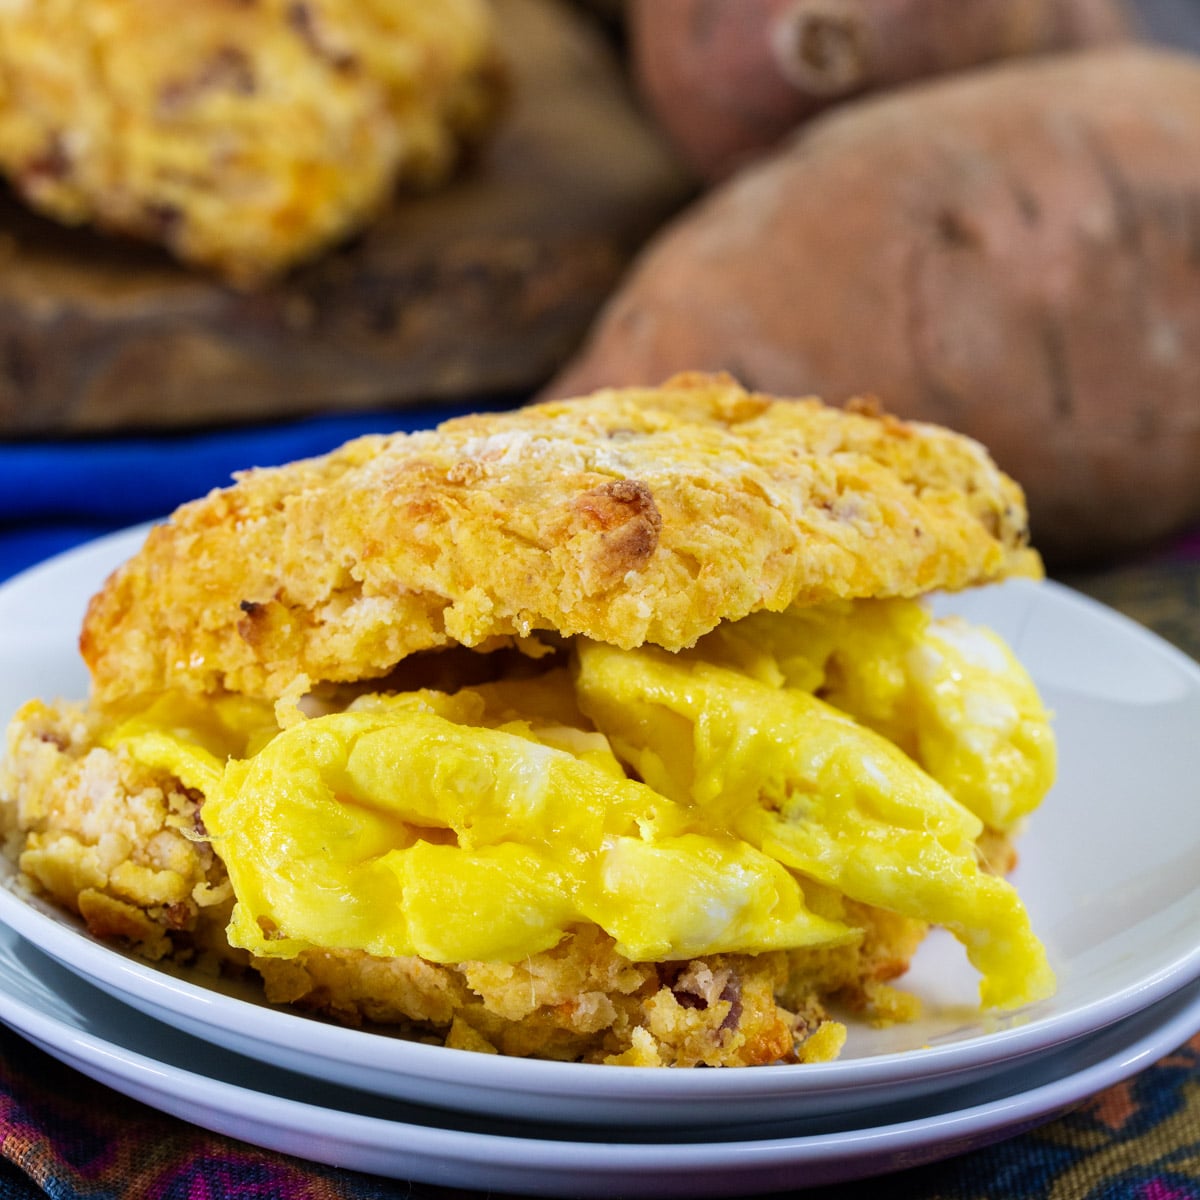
281 1111
1107 871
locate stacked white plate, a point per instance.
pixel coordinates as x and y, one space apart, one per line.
1108 871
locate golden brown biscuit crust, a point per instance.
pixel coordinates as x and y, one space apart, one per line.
629 516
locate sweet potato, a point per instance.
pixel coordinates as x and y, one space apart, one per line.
728 80
1014 252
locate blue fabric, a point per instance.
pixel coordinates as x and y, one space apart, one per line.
56 495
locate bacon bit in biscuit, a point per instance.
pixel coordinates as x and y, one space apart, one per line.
629 524
228 69
178 915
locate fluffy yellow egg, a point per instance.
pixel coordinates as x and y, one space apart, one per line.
680 802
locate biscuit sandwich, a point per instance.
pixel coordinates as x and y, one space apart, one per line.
611 729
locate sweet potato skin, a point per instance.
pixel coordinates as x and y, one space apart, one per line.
1014 253
727 81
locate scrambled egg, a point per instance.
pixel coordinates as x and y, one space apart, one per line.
687 804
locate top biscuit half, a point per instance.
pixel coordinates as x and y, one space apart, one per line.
628 516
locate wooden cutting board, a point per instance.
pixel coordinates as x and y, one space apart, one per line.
482 289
